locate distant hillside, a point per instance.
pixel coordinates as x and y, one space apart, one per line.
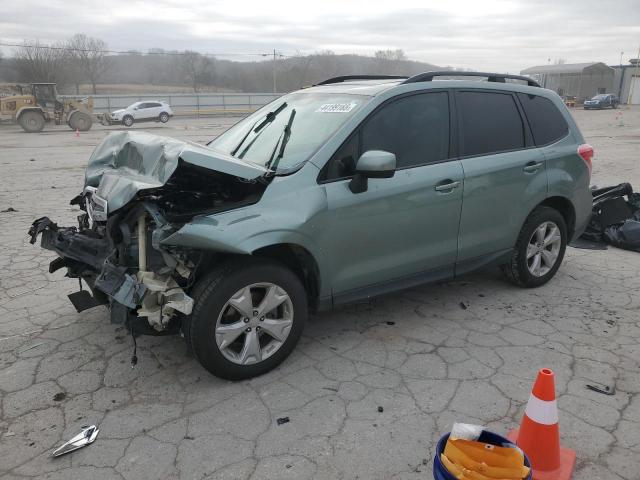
137 72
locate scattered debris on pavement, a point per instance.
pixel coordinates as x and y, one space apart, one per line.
84 438
282 420
604 389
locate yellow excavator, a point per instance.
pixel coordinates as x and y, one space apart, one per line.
38 103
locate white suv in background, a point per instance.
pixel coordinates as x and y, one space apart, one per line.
142 111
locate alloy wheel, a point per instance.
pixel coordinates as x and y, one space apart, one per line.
543 249
254 323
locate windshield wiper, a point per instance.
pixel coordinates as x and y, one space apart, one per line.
256 127
286 134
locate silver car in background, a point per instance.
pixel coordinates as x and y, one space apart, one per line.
158 111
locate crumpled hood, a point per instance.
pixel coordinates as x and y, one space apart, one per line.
117 112
127 162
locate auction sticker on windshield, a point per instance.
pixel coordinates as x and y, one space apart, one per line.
336 107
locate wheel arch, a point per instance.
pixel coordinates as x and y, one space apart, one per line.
300 261
566 209
29 109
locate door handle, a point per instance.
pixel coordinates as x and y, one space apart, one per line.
447 186
532 167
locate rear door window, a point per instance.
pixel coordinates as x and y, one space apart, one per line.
546 122
489 123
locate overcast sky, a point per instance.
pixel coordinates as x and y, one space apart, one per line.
500 35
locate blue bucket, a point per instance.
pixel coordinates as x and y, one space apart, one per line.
441 473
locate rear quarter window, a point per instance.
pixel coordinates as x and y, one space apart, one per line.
545 120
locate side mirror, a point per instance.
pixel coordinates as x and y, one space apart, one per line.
372 164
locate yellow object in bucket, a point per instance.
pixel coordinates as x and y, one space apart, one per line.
471 460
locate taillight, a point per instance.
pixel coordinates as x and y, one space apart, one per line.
586 152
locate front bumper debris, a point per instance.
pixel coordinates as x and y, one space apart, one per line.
127 287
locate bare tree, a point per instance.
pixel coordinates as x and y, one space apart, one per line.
89 56
198 69
38 62
390 61
390 55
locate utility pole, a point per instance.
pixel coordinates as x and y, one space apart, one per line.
633 77
274 71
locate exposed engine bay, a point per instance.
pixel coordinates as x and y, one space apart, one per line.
118 252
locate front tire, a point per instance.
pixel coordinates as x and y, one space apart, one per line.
80 121
248 316
127 121
164 117
539 249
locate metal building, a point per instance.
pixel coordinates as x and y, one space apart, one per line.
626 82
580 80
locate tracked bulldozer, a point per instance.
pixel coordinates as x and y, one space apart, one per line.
36 104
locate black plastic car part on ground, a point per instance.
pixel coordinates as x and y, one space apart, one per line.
615 219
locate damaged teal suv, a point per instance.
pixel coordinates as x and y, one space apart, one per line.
352 188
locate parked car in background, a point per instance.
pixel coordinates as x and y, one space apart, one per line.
605 100
353 188
157 111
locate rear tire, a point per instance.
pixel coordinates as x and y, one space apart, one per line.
214 318
32 121
80 121
539 249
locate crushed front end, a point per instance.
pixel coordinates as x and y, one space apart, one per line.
138 191
121 261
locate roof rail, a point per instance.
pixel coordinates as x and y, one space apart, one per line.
346 78
491 77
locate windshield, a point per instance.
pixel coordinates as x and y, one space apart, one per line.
259 137
599 97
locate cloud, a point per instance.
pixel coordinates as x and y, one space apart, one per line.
489 35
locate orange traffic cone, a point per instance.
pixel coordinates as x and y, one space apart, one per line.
539 434
77 132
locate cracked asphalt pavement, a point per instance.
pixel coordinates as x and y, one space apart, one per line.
418 354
